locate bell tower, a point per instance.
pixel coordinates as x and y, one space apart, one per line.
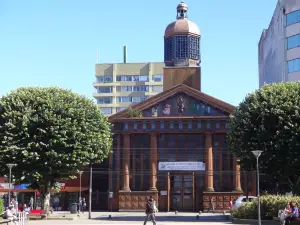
182 52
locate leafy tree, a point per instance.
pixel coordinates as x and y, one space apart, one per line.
50 133
269 120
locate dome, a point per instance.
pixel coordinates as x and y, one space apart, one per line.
182 27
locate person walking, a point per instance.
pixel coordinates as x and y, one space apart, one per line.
150 211
212 205
31 202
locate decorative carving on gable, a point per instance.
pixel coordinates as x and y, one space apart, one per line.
182 105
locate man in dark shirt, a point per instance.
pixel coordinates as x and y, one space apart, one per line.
150 211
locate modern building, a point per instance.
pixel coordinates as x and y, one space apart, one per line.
176 149
121 85
279 45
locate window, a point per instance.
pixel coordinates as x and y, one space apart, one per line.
157 78
124 78
139 98
141 88
140 78
104 100
181 50
119 109
104 89
104 79
106 110
294 65
293 41
293 17
124 89
157 88
124 99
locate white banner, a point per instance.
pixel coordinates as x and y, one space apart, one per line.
190 166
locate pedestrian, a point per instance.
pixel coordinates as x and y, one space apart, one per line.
212 205
80 205
31 202
83 205
293 214
150 211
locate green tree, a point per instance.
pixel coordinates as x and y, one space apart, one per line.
268 120
50 133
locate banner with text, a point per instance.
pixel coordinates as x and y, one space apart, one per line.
192 166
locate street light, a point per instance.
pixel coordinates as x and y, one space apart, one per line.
10 166
80 204
257 153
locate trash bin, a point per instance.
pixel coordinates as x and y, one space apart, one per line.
73 208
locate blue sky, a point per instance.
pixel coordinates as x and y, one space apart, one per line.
54 42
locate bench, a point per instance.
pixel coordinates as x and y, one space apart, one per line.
294 222
37 214
7 222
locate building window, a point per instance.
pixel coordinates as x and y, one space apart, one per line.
194 47
157 88
124 78
119 109
139 98
157 78
104 100
124 88
293 17
141 78
104 79
181 47
106 110
141 88
104 89
294 65
124 99
293 41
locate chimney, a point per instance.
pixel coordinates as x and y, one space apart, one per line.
125 54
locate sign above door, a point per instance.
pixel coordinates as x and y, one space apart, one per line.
181 166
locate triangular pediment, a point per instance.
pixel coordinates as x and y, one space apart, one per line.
181 101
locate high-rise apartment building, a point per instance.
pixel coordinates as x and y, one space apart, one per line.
279 45
121 85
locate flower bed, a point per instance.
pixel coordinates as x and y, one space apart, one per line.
270 204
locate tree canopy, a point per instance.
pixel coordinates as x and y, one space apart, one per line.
269 120
50 133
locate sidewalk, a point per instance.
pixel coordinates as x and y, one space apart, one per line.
161 216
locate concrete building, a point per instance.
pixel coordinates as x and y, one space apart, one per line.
279 45
121 85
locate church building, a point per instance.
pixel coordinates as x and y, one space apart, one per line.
173 145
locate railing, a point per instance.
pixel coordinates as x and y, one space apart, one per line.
21 219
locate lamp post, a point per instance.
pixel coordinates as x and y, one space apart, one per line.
257 154
10 166
80 204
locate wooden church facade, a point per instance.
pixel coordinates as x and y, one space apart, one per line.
174 144
176 151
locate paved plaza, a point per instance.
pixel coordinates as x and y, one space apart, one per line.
138 218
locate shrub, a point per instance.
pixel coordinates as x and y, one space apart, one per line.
270 205
1 205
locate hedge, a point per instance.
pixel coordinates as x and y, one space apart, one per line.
270 205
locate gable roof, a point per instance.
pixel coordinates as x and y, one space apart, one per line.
226 107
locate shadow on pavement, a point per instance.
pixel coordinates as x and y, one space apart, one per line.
175 218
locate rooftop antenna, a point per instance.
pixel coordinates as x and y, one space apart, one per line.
125 54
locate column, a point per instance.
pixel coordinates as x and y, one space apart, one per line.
209 163
237 180
118 161
126 162
153 161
